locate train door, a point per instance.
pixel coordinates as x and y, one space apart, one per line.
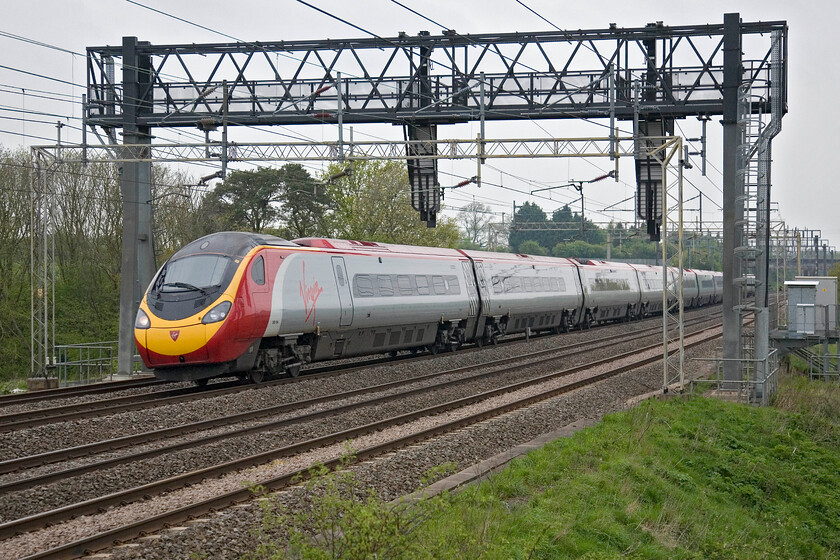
483 287
470 280
344 296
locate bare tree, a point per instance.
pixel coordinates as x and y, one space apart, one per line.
473 219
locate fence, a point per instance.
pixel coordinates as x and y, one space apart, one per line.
82 364
759 380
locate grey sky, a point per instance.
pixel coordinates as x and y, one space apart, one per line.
804 181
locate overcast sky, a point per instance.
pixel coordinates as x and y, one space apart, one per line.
804 182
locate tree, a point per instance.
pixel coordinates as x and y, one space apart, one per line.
16 176
473 219
531 247
303 203
246 199
529 223
374 204
579 249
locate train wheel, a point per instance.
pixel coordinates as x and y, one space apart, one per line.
393 353
256 376
479 342
201 382
433 349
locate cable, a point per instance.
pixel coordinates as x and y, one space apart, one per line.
38 43
42 76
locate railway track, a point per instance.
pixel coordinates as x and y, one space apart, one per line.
462 373
79 391
191 478
71 412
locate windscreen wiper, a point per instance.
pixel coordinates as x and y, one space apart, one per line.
185 286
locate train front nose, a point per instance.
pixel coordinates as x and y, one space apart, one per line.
170 343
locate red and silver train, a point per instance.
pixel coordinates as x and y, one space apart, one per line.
255 306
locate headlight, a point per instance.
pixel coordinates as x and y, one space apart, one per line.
217 314
142 321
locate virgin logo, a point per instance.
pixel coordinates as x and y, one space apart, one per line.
174 335
309 294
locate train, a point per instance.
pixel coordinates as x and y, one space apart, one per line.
257 306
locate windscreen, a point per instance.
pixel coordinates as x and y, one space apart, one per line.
199 271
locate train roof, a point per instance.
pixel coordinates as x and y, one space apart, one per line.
375 247
516 257
606 264
234 243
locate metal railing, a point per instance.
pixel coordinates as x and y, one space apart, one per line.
91 362
753 387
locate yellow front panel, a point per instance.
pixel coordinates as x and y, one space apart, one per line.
177 341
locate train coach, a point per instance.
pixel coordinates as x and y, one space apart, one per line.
257 306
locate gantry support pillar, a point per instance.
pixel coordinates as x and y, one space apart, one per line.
733 208
138 261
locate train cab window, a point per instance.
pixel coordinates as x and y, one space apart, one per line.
422 285
386 287
258 271
439 285
404 285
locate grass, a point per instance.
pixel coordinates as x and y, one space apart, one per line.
670 479
7 386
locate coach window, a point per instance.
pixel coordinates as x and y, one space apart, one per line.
404 285
452 285
498 288
528 284
363 285
258 271
422 285
439 284
513 285
386 287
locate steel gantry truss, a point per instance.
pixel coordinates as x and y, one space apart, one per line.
650 75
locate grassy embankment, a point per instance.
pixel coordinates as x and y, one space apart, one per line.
678 479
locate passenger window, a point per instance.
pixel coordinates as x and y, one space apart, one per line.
452 285
363 285
528 284
386 287
498 288
513 285
439 284
404 285
258 271
422 285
